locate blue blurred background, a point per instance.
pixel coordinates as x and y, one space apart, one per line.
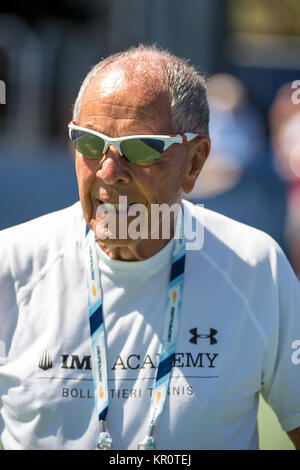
249 48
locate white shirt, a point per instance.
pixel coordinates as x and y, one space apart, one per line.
239 334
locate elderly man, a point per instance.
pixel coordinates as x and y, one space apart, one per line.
118 332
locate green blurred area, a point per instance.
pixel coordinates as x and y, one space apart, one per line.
280 17
271 436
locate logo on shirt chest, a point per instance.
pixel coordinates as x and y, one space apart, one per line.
190 359
45 361
131 361
196 336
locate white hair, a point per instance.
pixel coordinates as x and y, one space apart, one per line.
185 85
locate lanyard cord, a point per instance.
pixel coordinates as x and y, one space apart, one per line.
98 346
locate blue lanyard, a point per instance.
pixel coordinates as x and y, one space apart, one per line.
98 346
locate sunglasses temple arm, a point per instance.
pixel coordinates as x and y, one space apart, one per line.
189 137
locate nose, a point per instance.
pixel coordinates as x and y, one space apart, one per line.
113 168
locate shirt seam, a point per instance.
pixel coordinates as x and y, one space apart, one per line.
29 288
237 291
26 290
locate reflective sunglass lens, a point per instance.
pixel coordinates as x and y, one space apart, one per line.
89 145
142 150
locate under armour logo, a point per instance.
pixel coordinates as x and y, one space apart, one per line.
45 361
211 336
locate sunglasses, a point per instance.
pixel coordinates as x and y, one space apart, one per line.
134 148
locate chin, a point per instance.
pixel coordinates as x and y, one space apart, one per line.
109 238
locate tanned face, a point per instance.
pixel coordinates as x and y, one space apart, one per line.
117 106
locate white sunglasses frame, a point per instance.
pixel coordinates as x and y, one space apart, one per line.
167 139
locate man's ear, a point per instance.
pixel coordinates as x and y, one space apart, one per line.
197 155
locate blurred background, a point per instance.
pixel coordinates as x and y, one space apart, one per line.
250 49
